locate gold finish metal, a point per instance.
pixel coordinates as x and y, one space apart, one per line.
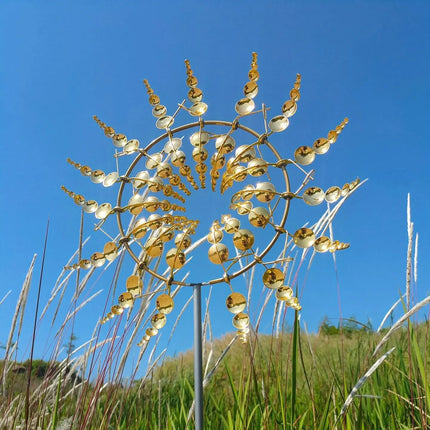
218 253
289 108
322 244
164 304
241 320
175 258
236 303
98 259
304 237
134 285
151 331
117 309
183 241
293 303
245 106
278 123
332 194
126 300
259 217
229 166
158 321
154 247
109 131
284 293
231 225
273 278
110 251
154 100
215 236
243 239
304 155
313 196
265 192
225 144
321 146
258 167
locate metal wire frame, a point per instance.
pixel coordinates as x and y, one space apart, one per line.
257 258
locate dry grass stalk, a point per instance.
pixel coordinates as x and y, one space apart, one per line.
206 318
362 380
61 283
409 403
61 286
152 365
416 260
5 297
400 322
389 313
277 315
153 287
179 317
211 373
263 307
73 313
19 314
410 227
218 362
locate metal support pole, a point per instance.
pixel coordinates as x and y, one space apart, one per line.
198 353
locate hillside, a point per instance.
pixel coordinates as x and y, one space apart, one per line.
266 383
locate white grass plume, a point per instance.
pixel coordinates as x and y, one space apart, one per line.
389 312
5 297
70 315
416 260
400 321
211 373
410 227
19 313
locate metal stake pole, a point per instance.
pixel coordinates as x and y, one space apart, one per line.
198 374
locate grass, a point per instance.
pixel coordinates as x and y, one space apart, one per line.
345 377
253 386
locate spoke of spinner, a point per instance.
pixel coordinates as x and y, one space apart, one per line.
252 180
165 122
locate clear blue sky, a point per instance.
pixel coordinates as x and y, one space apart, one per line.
62 62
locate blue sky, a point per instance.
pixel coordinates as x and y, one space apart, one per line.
63 62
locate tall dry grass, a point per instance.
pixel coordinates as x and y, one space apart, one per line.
289 379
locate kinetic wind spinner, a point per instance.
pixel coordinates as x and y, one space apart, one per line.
154 190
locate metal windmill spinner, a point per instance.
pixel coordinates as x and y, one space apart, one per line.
154 191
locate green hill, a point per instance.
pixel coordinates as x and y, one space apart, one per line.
270 382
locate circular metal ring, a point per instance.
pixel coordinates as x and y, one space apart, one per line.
257 258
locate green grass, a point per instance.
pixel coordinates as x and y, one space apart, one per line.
254 385
346 377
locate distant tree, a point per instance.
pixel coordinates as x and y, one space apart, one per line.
348 326
369 325
39 368
70 346
326 328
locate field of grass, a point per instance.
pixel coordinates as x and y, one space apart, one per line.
345 377
266 383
